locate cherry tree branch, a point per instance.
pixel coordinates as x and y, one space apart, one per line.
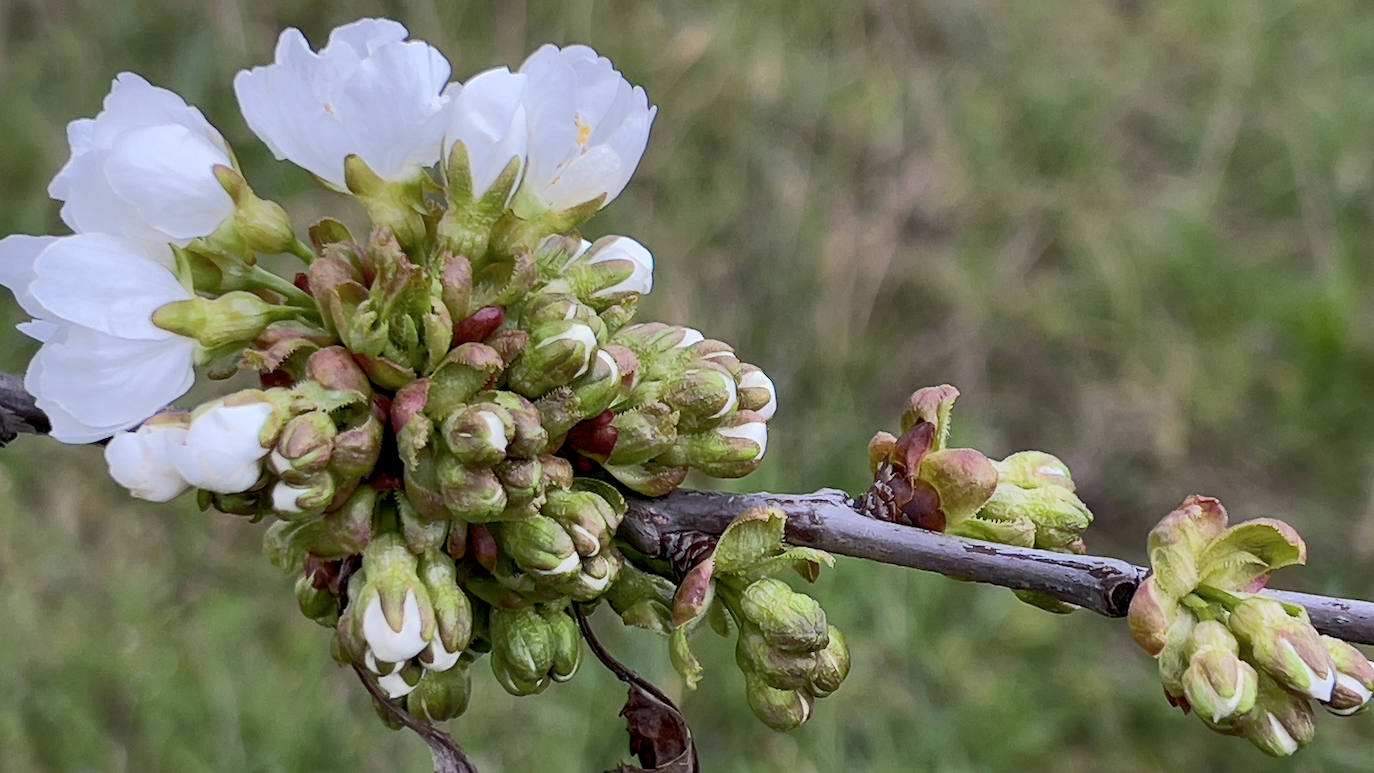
827 520
18 412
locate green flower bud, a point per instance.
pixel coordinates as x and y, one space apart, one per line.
512 683
350 526
642 599
589 520
523 480
567 646
452 612
781 710
1217 683
530 438
236 317
605 383
538 545
304 447
557 353
1288 648
1060 518
1033 469
1174 657
559 411
832 665
479 434
464 372
310 497
523 640
422 487
1176 542
651 480
454 275
779 669
441 695
734 448
356 449
594 577
395 205
1354 677
316 603
642 433
421 534
1281 721
393 610
334 369
702 393
1150 616
474 495
789 620
262 225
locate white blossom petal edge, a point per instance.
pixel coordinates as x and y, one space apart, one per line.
368 92
104 366
488 117
388 644
142 168
141 461
588 127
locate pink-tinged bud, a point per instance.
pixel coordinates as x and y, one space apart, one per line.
722 354
471 494
642 434
304 447
408 403
356 449
455 287
530 438
880 450
510 344
694 593
523 480
1288 648
337 286
335 370
476 328
601 386
963 481
1175 544
558 472
933 405
384 371
1354 677
1150 616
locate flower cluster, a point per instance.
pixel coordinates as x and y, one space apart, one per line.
1026 499
452 402
1248 664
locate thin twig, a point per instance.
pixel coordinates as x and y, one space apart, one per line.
827 520
449 757
18 411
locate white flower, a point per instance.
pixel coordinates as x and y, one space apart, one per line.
488 117
588 127
388 644
367 92
639 260
223 449
104 366
142 168
141 461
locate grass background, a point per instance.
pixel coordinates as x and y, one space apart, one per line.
1135 234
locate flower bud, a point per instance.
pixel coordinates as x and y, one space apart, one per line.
530 437
401 682
1059 516
963 481
263 225
464 372
356 449
512 682
641 434
781 710
651 479
601 386
1033 469
538 545
1288 648
1354 677
567 646
779 669
613 268
1176 542
756 392
397 619
141 461
473 495
1150 616
316 603
642 599
1174 659
594 577
236 317
1217 683
557 353
588 519
226 441
479 434
703 393
441 695
452 612
422 535
789 620
454 273
732 449
932 405
832 665
304 447
311 496
523 640
1281 721
396 205
523 480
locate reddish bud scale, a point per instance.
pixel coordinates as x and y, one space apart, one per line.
483 546
302 282
595 437
276 378
481 324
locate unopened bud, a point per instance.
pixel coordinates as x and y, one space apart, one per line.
401 682
557 353
473 495
651 479
523 639
567 646
316 603
1281 721
1217 683
464 372
1354 677
1033 469
334 368
703 393
832 665
642 433
452 612
538 545
304 447
781 710
1060 517
934 406
789 620
263 225
530 438
479 434
756 392
235 317
779 669
441 695
613 268
311 496
1288 648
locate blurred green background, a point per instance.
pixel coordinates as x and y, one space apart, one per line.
1136 234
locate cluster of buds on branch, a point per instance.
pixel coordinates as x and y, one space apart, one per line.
453 402
1248 665
1026 499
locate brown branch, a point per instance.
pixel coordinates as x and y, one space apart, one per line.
18 412
827 520
449 757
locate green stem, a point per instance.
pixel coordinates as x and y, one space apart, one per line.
294 295
303 251
1226 600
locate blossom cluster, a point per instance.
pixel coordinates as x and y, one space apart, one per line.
1247 664
453 403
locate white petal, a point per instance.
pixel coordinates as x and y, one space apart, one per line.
17 256
488 117
757 379
395 685
106 284
755 431
140 461
436 658
1286 741
284 497
165 172
223 451
389 644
